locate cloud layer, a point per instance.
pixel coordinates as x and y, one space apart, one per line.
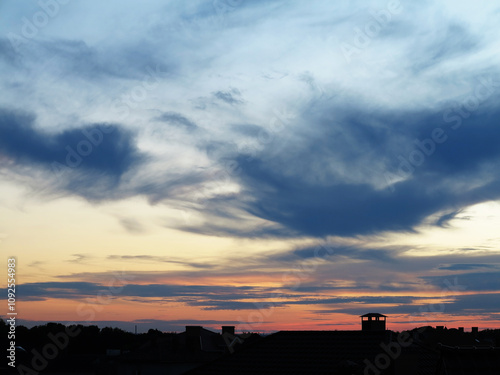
282 123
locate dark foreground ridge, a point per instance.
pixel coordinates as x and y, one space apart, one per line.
88 350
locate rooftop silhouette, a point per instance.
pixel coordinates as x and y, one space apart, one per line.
373 322
372 350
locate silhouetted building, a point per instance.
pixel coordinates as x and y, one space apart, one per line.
306 352
198 351
175 353
228 329
468 360
373 322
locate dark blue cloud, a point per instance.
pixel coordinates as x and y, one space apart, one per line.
76 289
177 119
213 297
250 130
446 218
340 208
104 148
7 53
364 299
474 281
470 141
86 160
220 297
42 291
293 184
231 96
333 252
476 304
466 266
214 304
309 181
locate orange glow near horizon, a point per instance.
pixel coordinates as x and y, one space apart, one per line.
296 317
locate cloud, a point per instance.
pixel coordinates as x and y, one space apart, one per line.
444 219
309 146
324 271
222 297
99 161
472 281
336 209
72 290
330 252
450 41
230 97
7 53
466 266
77 289
177 119
326 171
79 258
332 178
476 304
213 297
459 305
132 225
250 130
37 264
214 304
88 159
76 60
155 259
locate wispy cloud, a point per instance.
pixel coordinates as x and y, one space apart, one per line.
79 258
230 97
176 119
165 259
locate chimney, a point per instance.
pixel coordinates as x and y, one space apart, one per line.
461 329
193 337
475 330
373 322
228 329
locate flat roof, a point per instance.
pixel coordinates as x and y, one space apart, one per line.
374 314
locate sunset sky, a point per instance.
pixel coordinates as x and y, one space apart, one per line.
265 164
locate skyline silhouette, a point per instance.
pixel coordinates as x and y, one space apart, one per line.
272 166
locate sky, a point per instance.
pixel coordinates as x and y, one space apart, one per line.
269 164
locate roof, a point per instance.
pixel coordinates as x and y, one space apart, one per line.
417 359
374 314
176 348
302 352
469 360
